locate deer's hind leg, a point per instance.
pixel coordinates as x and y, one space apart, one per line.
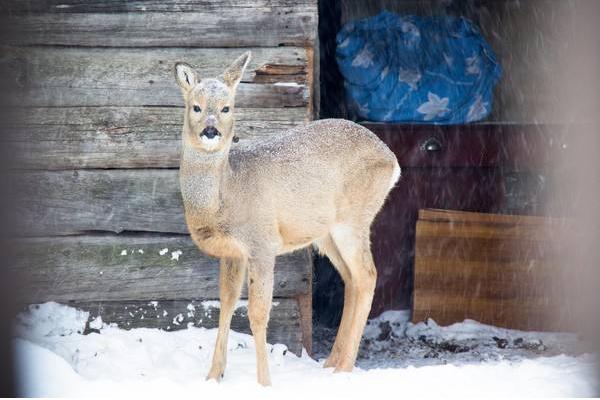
352 240
328 248
355 250
231 278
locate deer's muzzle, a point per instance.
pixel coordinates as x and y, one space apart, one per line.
210 132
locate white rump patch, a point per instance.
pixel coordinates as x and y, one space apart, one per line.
395 176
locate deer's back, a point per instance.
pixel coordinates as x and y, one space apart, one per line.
309 171
322 146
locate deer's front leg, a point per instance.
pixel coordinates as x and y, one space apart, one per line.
260 296
231 278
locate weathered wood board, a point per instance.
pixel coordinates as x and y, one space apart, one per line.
501 270
121 137
178 24
284 322
129 68
71 202
19 7
133 267
81 201
63 77
248 95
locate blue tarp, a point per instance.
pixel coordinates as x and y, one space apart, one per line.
436 70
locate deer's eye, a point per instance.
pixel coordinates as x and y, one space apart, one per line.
197 108
225 109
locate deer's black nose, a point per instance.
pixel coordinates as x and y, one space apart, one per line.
210 132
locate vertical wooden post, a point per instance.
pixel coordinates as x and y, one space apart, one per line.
305 307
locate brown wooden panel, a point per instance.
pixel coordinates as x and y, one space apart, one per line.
119 25
131 267
489 282
513 147
503 270
171 315
499 220
484 249
521 315
489 230
121 137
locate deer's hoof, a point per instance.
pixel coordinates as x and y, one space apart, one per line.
264 381
216 375
330 362
343 368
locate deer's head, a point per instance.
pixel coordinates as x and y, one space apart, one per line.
209 105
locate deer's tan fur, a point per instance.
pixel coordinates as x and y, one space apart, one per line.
321 183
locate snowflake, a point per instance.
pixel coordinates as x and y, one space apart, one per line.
411 34
362 110
448 59
409 27
175 255
384 73
345 43
389 115
364 58
411 78
473 65
435 107
478 110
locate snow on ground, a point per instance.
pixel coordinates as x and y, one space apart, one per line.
392 341
56 359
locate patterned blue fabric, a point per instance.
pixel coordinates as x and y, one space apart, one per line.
436 70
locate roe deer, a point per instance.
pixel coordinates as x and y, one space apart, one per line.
321 183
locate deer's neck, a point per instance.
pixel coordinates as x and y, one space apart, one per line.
203 179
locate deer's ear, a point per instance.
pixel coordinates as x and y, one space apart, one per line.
233 74
185 76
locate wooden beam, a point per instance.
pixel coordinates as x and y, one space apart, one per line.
305 308
508 221
62 77
79 201
133 267
121 137
275 24
248 95
172 315
20 7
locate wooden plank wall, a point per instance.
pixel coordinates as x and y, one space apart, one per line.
512 271
97 143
